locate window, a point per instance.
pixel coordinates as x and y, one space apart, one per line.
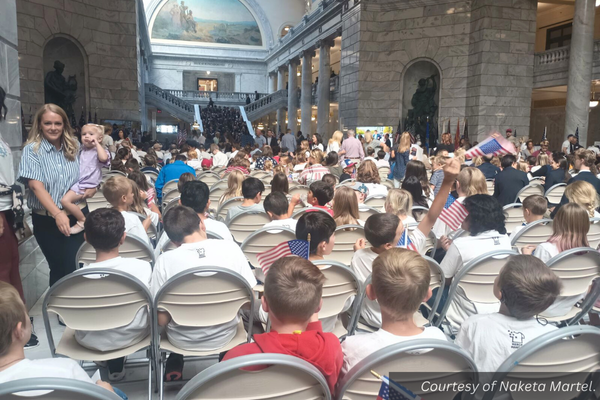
207 85
166 128
285 30
559 36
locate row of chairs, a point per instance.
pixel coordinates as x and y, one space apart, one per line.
535 187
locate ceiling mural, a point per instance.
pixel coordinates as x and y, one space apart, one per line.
207 21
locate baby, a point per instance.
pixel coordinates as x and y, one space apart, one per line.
92 157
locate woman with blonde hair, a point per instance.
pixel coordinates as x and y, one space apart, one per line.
234 186
542 159
584 194
193 160
369 175
399 202
345 207
335 143
401 155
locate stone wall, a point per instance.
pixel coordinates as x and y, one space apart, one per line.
104 31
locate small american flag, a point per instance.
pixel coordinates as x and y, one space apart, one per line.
405 242
454 215
495 144
390 390
451 199
300 248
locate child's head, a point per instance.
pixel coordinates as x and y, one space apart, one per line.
118 191
104 229
485 214
332 159
381 155
268 166
321 228
570 227
542 159
14 322
471 181
181 222
345 206
234 184
438 162
91 133
508 161
370 152
293 290
183 179
534 208
526 286
584 194
584 159
132 165
276 205
522 166
383 231
319 193
368 173
280 183
330 180
398 202
400 283
316 157
194 195
252 189
140 179
150 161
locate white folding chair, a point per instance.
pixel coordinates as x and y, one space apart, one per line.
347 182
98 201
594 233
208 177
555 193
172 184
132 247
345 237
534 233
419 212
388 183
171 204
375 201
97 299
490 186
266 192
284 378
151 176
242 225
226 205
169 196
216 191
383 173
54 389
514 216
301 212
262 240
567 356
218 170
529 190
302 190
420 360
430 241
364 212
170 245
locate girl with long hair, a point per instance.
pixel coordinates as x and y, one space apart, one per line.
335 143
401 155
280 183
345 207
234 186
417 169
146 191
399 202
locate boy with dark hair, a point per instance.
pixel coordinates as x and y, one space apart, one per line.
525 287
321 228
105 231
252 189
400 283
330 180
381 161
188 232
276 206
534 208
319 194
509 181
292 298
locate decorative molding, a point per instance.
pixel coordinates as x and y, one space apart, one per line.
324 42
264 21
308 53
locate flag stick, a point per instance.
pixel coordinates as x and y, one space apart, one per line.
308 240
376 375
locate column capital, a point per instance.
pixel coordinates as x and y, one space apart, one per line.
292 61
308 53
324 43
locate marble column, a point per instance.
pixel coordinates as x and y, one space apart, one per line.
272 82
293 95
306 94
580 70
280 111
323 89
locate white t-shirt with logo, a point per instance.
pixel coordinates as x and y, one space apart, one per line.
136 330
44 368
134 227
213 253
289 223
212 226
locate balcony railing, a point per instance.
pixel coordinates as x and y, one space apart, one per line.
195 95
558 55
166 96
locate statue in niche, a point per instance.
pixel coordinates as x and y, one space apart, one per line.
424 110
59 90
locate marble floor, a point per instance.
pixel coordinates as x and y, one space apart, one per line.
135 383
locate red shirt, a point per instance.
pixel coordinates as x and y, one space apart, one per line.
329 210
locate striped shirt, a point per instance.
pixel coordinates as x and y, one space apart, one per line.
51 167
313 173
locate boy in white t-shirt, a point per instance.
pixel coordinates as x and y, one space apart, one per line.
15 332
400 283
119 193
187 231
105 231
525 287
534 208
276 206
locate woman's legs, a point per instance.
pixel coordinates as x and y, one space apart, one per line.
9 261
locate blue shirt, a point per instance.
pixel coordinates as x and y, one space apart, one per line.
170 172
49 166
246 140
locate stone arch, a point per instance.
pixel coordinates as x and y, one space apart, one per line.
426 66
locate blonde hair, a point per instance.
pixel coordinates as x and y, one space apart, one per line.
368 137
477 161
304 145
268 166
69 143
472 181
404 145
368 173
496 161
317 155
523 166
336 137
138 204
401 281
584 194
99 130
345 207
234 186
459 154
398 202
12 311
115 188
570 227
542 159
192 154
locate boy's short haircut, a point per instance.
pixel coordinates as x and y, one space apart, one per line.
401 280
115 188
320 225
329 179
538 205
277 203
12 311
381 155
251 187
380 229
107 129
180 157
508 160
293 289
370 151
104 228
440 160
322 192
194 195
180 222
183 179
528 286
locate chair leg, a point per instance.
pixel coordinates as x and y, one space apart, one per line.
150 362
161 384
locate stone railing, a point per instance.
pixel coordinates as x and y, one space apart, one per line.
195 95
164 100
558 55
266 104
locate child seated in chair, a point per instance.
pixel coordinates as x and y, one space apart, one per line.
534 208
15 332
105 232
400 283
319 194
292 298
276 206
252 190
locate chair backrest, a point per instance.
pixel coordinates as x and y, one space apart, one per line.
514 216
266 192
529 190
54 389
216 192
536 180
302 211
576 268
347 182
535 233
171 204
226 205
242 225
430 241
98 201
151 175
375 201
172 184
365 212
210 178
298 189
95 299
258 174
132 247
555 193
387 183
170 195
420 360
265 239
345 237
384 172
594 233
222 184
565 355
285 378
419 212
218 170
490 186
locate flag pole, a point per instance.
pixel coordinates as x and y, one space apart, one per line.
376 375
308 240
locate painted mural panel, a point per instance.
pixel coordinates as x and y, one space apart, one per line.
208 21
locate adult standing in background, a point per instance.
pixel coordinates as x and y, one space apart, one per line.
260 139
335 143
107 140
511 138
509 181
352 147
270 139
543 149
49 167
289 141
401 155
446 144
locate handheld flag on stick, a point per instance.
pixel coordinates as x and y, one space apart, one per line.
495 144
427 137
300 248
457 136
454 215
390 390
405 242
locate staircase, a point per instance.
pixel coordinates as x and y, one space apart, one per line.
266 105
169 103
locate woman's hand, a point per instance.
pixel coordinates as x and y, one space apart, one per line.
63 223
89 193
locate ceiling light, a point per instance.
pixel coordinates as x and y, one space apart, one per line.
593 103
287 28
